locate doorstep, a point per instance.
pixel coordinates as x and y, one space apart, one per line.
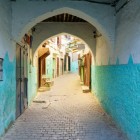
85 89
43 89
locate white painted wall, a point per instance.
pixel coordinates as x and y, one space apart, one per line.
26 14
127 24
103 52
128 33
44 31
6 29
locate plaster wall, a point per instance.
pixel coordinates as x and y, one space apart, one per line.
117 86
128 33
101 16
103 52
49 67
6 29
44 31
32 83
7 52
74 66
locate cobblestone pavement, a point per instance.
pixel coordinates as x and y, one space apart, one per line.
64 113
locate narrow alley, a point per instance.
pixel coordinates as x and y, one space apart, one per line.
64 113
70 69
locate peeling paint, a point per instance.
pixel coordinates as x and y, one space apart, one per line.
7 94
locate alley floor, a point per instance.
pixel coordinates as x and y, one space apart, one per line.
64 113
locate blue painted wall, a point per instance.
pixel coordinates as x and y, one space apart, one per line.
74 66
49 67
118 90
7 94
32 83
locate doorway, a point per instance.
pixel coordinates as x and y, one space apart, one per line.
57 66
42 71
61 67
21 79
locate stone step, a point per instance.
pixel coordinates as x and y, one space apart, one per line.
43 89
85 89
49 83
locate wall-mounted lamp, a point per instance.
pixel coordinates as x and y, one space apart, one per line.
96 34
1 69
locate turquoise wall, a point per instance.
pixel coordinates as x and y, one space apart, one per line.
49 67
32 83
74 66
118 89
7 94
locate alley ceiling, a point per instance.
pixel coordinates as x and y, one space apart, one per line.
65 17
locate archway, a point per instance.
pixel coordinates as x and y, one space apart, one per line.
41 63
94 16
49 29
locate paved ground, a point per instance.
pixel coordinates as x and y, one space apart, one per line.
64 113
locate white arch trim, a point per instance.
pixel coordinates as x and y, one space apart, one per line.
62 10
35 54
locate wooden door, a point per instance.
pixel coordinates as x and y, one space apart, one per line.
87 70
25 76
39 69
57 66
54 67
69 63
65 61
21 80
61 67
18 81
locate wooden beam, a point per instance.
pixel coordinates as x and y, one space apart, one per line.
64 17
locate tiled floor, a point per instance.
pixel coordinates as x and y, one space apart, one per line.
64 113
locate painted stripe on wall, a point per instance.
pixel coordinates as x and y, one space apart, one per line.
118 89
7 94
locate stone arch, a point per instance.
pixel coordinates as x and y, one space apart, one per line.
47 30
100 16
41 43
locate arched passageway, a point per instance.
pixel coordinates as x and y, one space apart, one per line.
116 43
86 32
57 49
93 15
25 26
83 30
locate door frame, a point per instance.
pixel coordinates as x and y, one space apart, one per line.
21 79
